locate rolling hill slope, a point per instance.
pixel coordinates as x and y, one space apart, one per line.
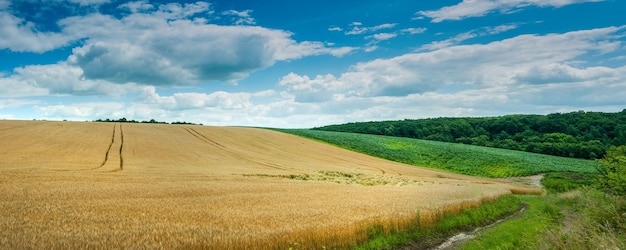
95 185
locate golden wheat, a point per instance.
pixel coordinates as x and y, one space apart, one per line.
111 185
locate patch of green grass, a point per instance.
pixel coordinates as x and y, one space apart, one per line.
425 236
458 158
521 232
559 182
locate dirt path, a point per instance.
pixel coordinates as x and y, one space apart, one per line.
460 238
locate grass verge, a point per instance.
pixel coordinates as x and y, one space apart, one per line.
424 235
582 219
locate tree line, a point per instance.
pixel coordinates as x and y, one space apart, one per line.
578 134
123 119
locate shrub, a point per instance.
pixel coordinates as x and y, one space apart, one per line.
613 170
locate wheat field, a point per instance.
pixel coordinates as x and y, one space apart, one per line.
132 185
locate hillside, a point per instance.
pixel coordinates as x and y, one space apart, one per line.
585 135
129 185
453 157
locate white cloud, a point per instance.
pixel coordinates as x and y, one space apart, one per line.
134 56
477 8
370 48
525 59
57 79
378 37
449 42
604 94
22 36
501 28
89 2
357 29
14 86
64 79
217 108
413 31
304 89
383 36
240 17
137 7
194 100
289 49
339 52
159 48
484 31
163 45
176 11
82 111
383 26
16 103
561 73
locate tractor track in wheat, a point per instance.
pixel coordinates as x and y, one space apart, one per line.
121 147
203 137
206 139
106 155
110 148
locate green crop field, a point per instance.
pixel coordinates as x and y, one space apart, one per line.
458 158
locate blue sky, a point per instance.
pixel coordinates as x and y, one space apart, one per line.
308 63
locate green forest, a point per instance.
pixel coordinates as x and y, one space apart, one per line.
585 135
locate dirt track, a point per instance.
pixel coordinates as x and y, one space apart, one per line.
71 184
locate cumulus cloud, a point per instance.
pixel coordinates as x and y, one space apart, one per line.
22 36
82 111
561 73
12 87
604 93
194 100
217 108
319 89
163 50
525 59
163 45
57 79
477 8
